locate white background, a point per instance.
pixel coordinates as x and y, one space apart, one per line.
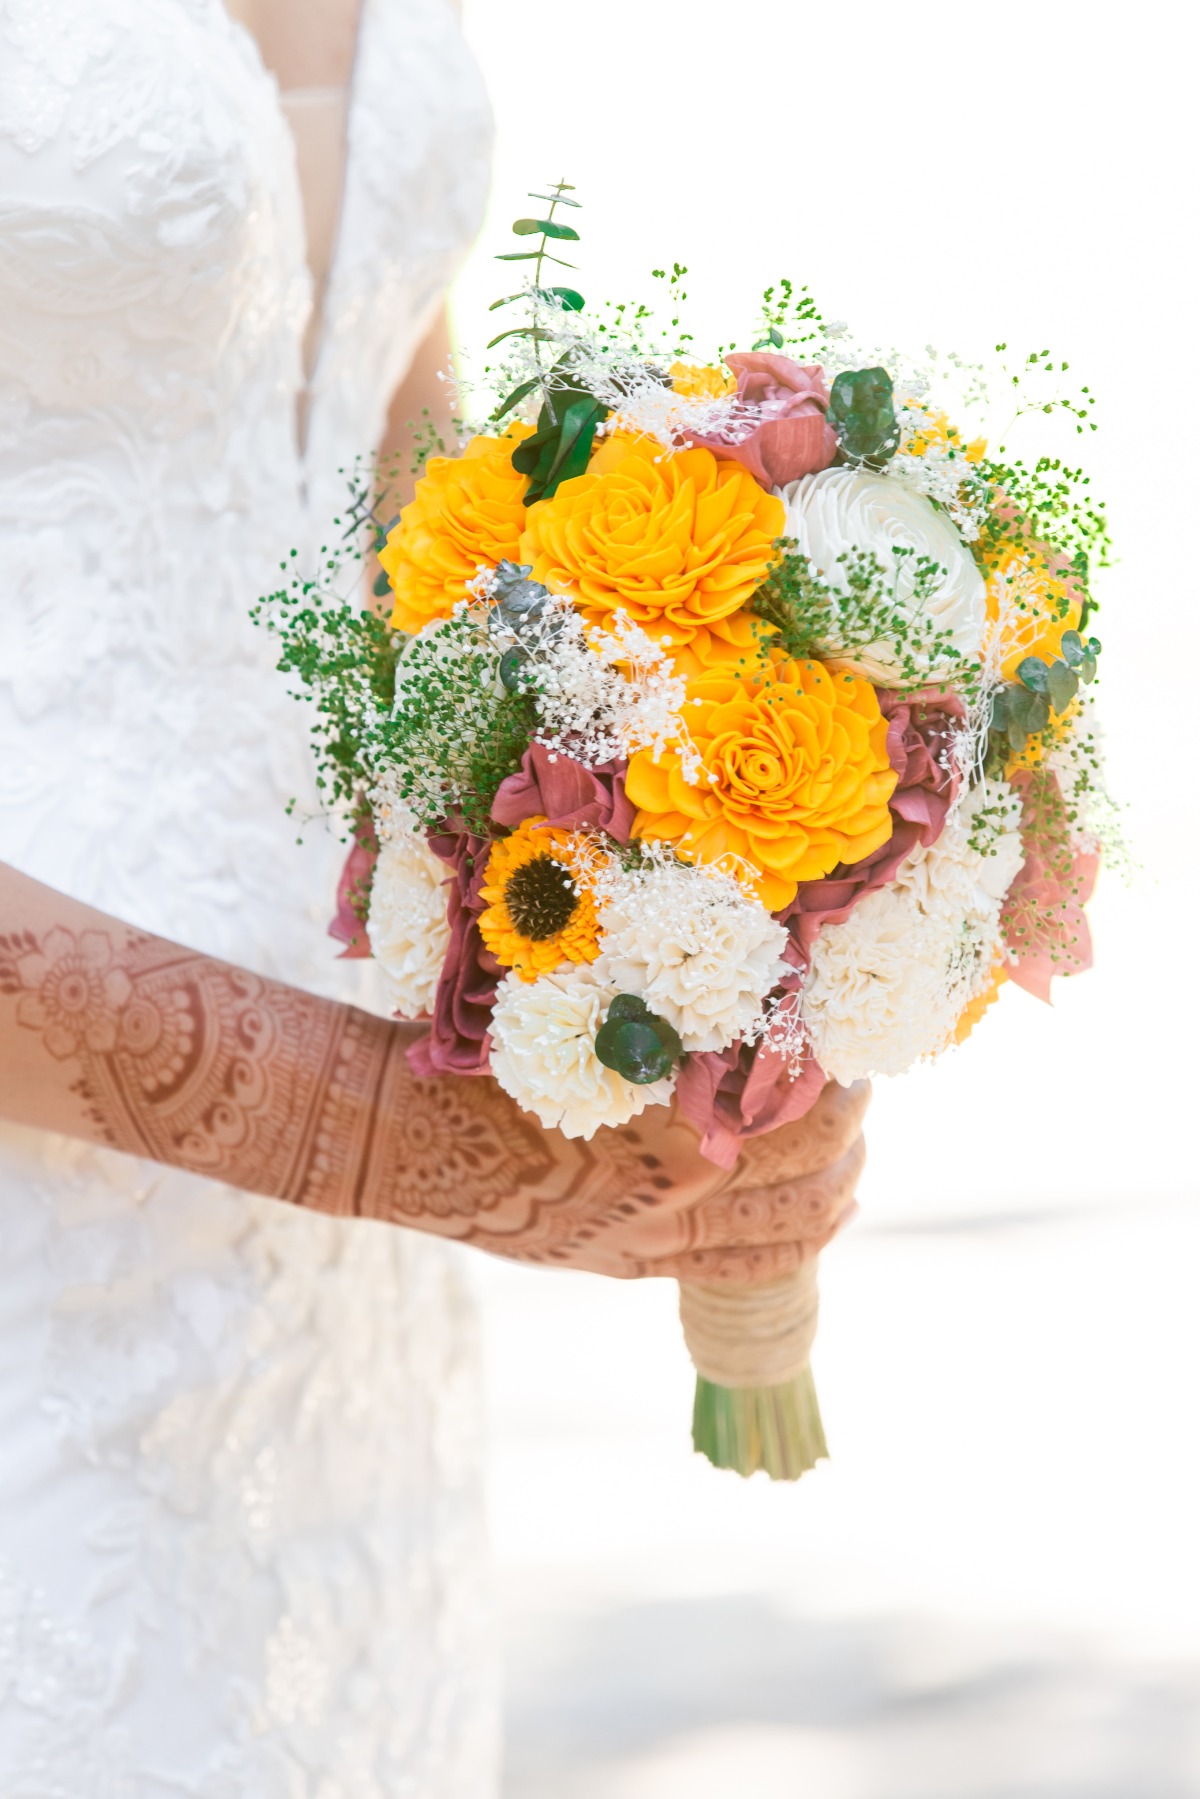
994 1588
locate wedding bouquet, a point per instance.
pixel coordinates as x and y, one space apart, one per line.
728 732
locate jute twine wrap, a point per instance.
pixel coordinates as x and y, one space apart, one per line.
751 1336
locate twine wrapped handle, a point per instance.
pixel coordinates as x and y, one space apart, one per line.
751 1336
756 1405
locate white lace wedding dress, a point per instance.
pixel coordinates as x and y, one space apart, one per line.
240 1546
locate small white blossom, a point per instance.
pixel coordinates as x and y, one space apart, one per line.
544 1053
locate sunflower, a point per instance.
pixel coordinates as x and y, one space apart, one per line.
540 911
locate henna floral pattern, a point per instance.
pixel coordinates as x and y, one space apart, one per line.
202 1066
70 991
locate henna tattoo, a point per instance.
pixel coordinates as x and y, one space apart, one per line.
203 1066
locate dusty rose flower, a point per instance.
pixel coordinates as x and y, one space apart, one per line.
779 431
462 1009
1045 926
567 795
354 891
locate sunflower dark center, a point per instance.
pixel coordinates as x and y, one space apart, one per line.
541 898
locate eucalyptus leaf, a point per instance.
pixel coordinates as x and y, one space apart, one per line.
518 256
1033 673
1063 685
558 200
632 1048
548 228
628 1005
862 411
1072 648
1087 668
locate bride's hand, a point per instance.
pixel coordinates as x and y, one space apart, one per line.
459 1158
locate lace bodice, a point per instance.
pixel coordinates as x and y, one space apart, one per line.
239 1520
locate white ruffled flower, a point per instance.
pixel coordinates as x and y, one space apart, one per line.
406 922
973 863
699 950
842 510
544 1053
888 986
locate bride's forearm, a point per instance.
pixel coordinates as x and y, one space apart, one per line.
125 1040
128 1041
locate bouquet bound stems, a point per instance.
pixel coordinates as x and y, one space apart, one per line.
756 1405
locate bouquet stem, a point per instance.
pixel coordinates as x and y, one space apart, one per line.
756 1405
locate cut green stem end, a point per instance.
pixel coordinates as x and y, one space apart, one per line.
777 1429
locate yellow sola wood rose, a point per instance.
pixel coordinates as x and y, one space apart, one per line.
795 776
678 540
467 510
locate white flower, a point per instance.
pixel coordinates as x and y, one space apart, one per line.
407 922
700 951
888 986
875 1000
977 857
847 509
544 1055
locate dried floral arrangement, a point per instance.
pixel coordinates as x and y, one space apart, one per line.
726 728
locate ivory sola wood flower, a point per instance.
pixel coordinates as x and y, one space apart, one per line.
795 776
677 541
467 510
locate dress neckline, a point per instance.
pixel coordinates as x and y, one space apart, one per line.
319 288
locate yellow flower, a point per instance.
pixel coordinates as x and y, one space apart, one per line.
935 432
677 540
795 778
974 1010
1029 606
467 510
697 381
540 912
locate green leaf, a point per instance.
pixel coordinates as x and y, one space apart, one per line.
533 331
507 300
381 585
548 228
1034 674
512 664
572 301
518 256
632 1048
558 200
1072 648
1087 669
516 396
628 1005
1063 685
862 411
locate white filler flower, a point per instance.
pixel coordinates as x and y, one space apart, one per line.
544 1053
702 953
843 510
888 986
407 922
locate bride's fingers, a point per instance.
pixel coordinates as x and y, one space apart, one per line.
744 1265
810 1143
803 1210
